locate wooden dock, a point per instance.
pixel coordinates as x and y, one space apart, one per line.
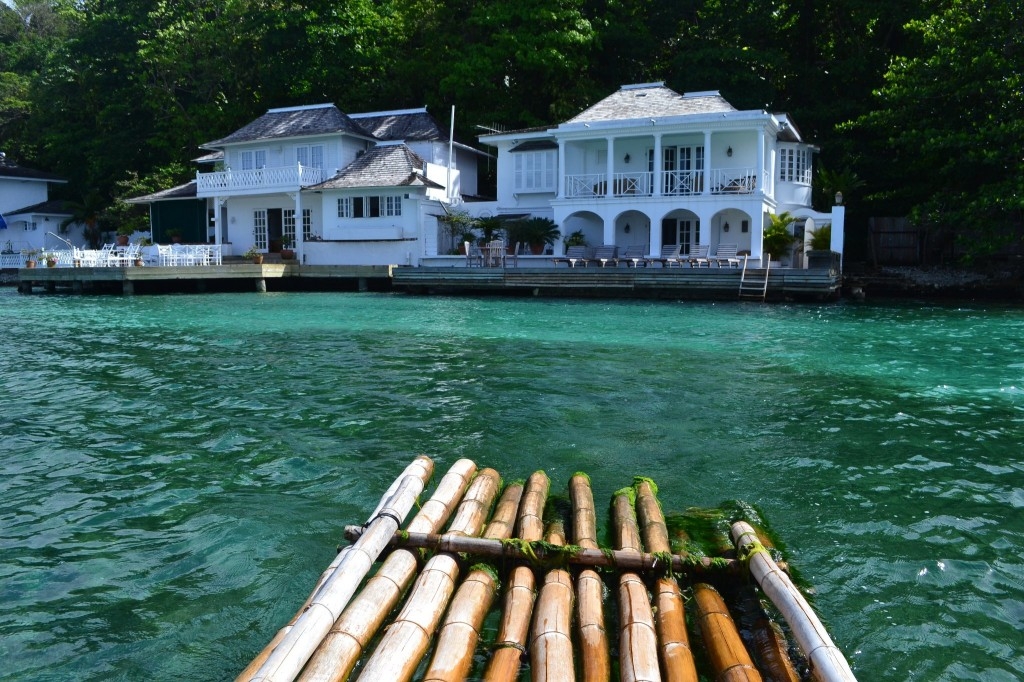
397 605
674 283
232 276
683 283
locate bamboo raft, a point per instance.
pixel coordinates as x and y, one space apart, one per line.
437 591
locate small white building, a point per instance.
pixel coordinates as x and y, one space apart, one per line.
33 220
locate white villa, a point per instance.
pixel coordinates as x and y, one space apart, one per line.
648 166
645 166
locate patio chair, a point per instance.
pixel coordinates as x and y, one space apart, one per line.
725 256
573 255
698 256
605 253
669 256
635 254
513 257
473 255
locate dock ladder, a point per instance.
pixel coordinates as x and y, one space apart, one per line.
753 287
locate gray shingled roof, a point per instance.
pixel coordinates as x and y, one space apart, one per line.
392 165
652 100
9 169
394 126
293 122
186 191
51 207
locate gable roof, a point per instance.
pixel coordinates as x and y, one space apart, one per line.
186 191
386 165
55 207
652 100
9 169
316 119
404 124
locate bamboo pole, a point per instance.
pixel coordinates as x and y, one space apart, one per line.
827 662
339 651
772 651
421 467
295 648
638 639
673 643
458 637
551 655
729 658
515 621
406 640
537 552
594 657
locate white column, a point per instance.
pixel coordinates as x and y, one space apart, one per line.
217 204
299 243
706 188
659 160
610 170
561 169
762 180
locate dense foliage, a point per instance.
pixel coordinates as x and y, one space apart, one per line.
918 107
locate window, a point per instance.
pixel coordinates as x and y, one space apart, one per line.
311 156
373 206
252 159
794 165
393 207
535 171
289 224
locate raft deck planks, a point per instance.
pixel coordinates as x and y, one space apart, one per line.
555 626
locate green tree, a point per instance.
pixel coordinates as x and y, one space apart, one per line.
950 125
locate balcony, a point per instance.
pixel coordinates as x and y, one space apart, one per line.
257 180
673 183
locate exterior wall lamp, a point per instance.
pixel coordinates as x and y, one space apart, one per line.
626 228
728 152
839 198
725 227
626 159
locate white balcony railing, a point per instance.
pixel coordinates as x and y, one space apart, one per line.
257 179
673 183
733 180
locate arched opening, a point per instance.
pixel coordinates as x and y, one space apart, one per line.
682 227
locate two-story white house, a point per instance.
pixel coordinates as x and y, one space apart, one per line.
353 189
648 166
31 217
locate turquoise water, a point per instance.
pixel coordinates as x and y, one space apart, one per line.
178 469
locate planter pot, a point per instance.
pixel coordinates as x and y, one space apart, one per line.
138 262
30 264
537 249
287 254
819 260
52 263
258 260
122 240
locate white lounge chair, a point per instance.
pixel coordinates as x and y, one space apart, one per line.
725 256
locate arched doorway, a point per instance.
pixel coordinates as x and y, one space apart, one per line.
681 227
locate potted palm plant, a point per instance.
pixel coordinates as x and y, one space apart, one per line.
819 255
537 232
777 238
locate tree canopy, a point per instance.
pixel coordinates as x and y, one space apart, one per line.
918 107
